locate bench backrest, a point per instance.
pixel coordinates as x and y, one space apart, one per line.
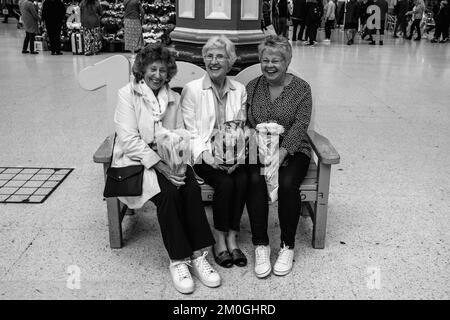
114 73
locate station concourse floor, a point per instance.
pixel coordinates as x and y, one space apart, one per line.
385 109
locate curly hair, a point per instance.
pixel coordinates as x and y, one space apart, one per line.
152 53
276 43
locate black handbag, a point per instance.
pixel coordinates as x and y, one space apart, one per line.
123 181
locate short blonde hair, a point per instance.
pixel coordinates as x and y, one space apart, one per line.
221 42
276 43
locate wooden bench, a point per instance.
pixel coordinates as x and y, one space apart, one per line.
314 189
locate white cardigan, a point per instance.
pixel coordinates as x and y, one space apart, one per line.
135 122
199 115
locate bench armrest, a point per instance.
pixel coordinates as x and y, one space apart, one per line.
325 151
104 152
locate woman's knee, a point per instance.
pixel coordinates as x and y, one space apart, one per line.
170 193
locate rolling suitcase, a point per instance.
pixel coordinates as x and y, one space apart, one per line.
77 43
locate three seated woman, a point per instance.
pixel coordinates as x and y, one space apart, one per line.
148 105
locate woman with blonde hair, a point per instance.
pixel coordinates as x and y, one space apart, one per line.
417 15
207 103
281 97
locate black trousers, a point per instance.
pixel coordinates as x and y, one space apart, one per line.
181 217
441 28
402 23
54 35
296 23
328 26
289 203
11 12
229 195
312 32
416 25
283 28
29 39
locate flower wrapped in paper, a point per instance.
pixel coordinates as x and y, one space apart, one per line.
268 141
174 149
228 145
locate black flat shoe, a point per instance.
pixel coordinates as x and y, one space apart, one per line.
223 259
238 257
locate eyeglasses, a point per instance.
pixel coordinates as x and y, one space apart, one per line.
219 57
267 61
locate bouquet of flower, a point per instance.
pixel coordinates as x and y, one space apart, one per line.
268 141
173 148
228 145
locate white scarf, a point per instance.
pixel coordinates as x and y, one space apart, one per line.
158 104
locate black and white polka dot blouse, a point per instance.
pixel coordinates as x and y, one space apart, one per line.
292 109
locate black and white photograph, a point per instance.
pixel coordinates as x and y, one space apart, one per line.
223 156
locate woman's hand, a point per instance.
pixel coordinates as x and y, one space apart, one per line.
209 160
231 169
176 180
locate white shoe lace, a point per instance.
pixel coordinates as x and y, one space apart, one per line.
204 265
284 255
261 255
182 269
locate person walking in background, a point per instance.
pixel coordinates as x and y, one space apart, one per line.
314 11
442 20
133 17
330 18
417 14
363 15
383 5
400 10
53 15
275 15
298 19
91 11
30 20
9 5
283 17
266 23
351 20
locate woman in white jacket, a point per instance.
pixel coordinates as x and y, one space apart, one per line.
207 103
146 106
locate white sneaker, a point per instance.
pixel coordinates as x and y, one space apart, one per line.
283 265
327 41
181 276
204 272
262 261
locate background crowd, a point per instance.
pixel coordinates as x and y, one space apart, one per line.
404 17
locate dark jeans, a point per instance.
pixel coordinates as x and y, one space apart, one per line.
54 35
312 32
229 195
181 217
296 23
29 39
290 178
402 23
328 26
416 25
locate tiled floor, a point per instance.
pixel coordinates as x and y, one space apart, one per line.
385 109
